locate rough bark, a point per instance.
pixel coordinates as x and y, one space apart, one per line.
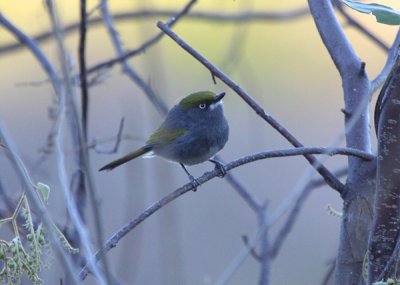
386 222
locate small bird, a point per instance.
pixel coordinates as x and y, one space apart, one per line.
193 132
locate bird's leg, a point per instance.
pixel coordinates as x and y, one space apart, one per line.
220 166
194 181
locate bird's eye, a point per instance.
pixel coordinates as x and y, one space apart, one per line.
202 106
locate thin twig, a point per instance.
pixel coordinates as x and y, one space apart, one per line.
171 22
247 16
47 66
263 224
159 104
276 245
291 199
241 189
128 70
34 48
330 179
381 77
239 259
311 150
118 140
154 99
112 242
329 273
252 250
231 59
41 211
9 204
43 61
82 68
66 98
294 212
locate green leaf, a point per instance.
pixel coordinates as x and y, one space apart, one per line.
44 189
383 14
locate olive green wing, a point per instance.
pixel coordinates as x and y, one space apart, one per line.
165 135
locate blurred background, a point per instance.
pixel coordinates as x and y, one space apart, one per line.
282 64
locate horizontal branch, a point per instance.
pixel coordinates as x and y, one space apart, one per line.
330 179
301 151
112 242
248 16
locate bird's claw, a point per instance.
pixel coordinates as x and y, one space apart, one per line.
195 183
220 167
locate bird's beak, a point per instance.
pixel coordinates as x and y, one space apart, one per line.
219 97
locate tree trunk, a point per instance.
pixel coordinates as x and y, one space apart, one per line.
355 227
386 222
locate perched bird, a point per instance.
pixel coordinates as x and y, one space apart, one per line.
193 132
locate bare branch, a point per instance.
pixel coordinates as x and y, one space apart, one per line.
263 224
249 16
311 150
34 48
37 205
298 202
112 242
129 71
241 189
329 273
118 140
333 35
238 260
296 196
8 203
156 101
56 82
252 250
276 245
66 99
355 83
171 22
82 68
353 22
330 179
381 77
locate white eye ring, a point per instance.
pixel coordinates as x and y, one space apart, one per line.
202 106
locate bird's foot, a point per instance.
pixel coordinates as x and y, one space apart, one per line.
220 167
195 183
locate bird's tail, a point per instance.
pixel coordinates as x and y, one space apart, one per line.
126 158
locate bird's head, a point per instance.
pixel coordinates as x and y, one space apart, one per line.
205 104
